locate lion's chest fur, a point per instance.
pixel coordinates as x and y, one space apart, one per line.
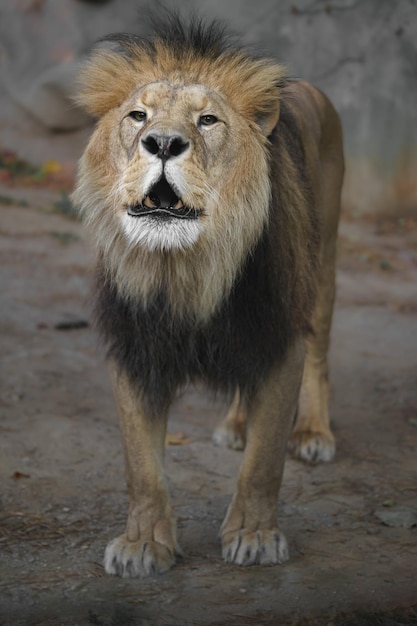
236 345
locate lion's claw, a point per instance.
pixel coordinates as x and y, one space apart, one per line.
313 447
137 559
225 435
260 547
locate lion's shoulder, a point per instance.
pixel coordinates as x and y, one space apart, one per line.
312 113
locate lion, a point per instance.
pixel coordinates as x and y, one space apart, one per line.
211 190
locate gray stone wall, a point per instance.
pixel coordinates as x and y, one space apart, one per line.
362 53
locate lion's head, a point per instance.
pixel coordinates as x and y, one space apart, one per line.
175 179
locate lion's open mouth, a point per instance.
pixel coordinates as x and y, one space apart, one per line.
162 202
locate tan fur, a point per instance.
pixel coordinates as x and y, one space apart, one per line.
312 439
226 172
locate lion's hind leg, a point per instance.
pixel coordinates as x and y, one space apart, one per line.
312 439
231 432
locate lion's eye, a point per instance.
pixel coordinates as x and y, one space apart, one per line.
207 120
138 116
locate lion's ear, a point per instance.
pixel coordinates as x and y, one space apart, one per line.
106 79
260 87
267 120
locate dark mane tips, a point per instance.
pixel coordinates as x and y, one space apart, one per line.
190 36
204 38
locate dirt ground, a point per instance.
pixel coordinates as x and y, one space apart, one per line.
351 525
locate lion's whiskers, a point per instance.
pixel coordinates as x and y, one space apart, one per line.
214 194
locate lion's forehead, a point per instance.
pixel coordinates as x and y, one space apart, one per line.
192 97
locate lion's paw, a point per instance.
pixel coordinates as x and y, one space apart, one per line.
260 547
137 559
228 437
314 447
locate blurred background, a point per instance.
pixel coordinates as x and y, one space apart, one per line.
362 53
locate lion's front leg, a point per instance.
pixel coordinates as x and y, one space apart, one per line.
149 544
250 533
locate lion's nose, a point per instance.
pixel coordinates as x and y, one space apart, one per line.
165 146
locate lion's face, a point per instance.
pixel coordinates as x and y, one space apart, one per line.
178 168
183 162
176 145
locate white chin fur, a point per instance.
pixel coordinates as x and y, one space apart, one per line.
154 234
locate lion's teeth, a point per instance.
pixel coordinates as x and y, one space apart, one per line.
148 203
151 202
